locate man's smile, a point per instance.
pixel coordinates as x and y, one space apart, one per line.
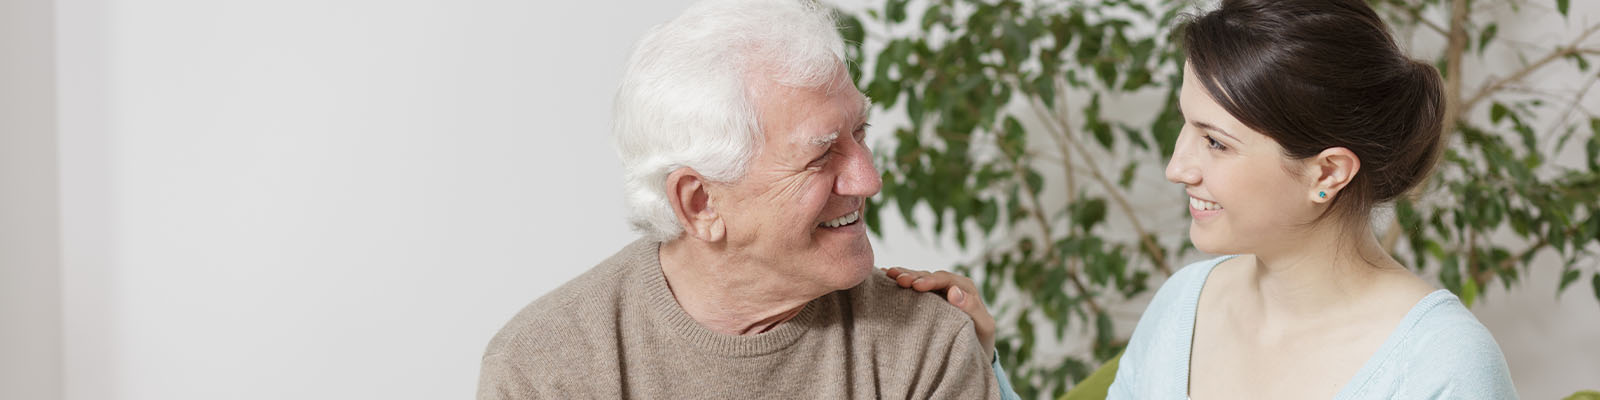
843 220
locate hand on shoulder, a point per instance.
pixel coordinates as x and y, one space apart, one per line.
959 290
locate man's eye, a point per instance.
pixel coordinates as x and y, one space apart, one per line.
822 159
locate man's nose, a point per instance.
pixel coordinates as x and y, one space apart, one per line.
859 177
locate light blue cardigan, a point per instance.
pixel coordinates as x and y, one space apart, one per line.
1439 351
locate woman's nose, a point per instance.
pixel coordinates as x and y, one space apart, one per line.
1181 168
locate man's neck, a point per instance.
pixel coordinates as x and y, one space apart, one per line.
725 295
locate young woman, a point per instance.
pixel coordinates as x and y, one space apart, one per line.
1300 116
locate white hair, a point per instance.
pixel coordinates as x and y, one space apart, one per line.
687 94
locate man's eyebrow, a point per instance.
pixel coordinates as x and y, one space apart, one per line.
823 140
828 139
1214 128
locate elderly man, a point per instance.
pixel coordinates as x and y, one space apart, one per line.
747 170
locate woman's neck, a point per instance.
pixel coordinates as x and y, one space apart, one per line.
1327 270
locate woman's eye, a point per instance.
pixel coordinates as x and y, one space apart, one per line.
1214 144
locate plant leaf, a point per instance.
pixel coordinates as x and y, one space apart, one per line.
1566 279
1088 212
1593 150
1469 290
1487 35
1595 281
1102 328
1126 180
896 10
1035 181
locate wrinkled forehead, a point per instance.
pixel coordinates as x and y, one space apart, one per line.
810 115
852 120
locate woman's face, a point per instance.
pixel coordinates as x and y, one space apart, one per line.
1245 196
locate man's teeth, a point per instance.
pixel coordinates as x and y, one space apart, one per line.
842 221
1203 205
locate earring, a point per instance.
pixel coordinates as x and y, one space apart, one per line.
1323 195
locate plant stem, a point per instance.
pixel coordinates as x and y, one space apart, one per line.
1158 257
1576 99
1416 13
1060 138
1556 54
1525 253
1018 168
1454 50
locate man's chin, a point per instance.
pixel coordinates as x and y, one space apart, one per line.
848 263
848 272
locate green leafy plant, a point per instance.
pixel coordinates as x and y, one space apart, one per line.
1496 178
1035 128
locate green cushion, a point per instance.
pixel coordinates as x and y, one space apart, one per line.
1097 384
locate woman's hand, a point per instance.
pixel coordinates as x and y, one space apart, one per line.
958 290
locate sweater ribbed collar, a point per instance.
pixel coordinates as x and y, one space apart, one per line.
648 280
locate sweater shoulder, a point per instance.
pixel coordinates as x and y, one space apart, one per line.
906 330
878 300
1155 363
1448 353
1184 283
555 322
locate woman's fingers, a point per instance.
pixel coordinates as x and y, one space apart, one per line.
905 277
934 281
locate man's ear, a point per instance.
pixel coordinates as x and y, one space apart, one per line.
686 190
1332 170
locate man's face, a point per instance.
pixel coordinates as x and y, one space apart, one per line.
797 212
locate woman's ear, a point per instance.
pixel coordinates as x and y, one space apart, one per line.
692 203
1331 170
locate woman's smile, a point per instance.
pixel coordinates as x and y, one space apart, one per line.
1203 209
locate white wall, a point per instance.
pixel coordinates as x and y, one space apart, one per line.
346 199
327 199
30 271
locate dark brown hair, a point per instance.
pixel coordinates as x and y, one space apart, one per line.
1318 74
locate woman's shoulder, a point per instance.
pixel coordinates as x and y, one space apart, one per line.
1447 329
1188 280
1181 291
1178 295
1447 352
1155 363
1444 325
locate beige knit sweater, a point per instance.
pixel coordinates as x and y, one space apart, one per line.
616 332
